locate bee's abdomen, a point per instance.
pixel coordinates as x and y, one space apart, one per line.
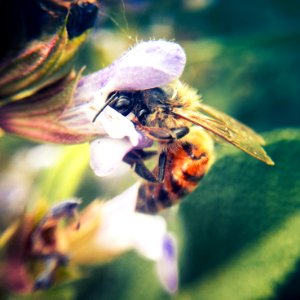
186 165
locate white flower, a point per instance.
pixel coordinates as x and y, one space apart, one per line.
120 228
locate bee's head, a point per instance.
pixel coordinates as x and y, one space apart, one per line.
150 102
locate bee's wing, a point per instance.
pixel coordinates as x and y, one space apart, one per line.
230 130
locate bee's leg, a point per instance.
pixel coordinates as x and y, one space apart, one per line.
144 155
140 169
136 162
162 166
180 132
156 133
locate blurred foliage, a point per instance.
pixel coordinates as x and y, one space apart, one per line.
245 240
242 56
240 236
39 41
64 177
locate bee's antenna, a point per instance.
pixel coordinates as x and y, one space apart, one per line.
108 101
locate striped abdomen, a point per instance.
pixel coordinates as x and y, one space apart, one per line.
187 162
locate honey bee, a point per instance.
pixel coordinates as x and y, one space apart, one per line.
168 115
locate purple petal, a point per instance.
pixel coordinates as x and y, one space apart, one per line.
90 84
167 269
143 141
168 248
148 65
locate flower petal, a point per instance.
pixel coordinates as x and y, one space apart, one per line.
123 229
148 65
147 235
123 203
89 84
107 154
117 126
166 266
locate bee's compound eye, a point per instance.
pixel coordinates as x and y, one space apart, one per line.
123 104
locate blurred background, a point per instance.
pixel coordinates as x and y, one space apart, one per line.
243 57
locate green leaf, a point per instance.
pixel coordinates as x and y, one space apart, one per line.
32 65
242 225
